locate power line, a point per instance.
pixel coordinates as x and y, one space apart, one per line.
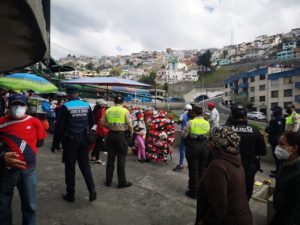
58 46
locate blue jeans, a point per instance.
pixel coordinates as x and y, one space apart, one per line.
25 181
182 152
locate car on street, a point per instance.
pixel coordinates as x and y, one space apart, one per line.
256 115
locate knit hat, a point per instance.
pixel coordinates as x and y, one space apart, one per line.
225 139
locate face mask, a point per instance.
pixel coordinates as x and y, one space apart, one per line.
18 111
281 154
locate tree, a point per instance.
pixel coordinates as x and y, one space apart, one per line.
61 76
204 59
166 87
89 66
128 62
115 72
148 79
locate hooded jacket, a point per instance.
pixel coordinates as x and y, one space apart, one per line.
222 196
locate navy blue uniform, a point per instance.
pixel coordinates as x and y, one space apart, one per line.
252 146
75 118
275 129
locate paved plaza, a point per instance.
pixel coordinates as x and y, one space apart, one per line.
156 197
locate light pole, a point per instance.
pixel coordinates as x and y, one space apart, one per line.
155 94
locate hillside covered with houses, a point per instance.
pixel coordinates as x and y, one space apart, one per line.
172 66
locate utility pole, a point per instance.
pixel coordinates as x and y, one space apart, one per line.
155 94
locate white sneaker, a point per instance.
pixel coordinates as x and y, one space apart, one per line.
100 162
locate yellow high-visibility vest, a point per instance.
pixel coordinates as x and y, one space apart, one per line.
289 119
116 115
199 126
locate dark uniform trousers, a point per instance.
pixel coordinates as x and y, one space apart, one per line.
77 149
117 146
197 156
250 171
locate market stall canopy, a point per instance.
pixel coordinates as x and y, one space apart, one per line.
107 81
55 67
26 81
25 30
116 89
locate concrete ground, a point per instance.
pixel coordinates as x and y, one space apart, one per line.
156 197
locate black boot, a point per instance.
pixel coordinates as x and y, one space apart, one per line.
93 196
68 198
127 184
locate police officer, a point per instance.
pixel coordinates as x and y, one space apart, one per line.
274 130
117 120
292 122
195 133
252 145
74 121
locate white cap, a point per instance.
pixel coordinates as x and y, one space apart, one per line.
101 102
188 107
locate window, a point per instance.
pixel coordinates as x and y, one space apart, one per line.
226 93
226 85
252 99
273 105
252 79
288 93
244 80
252 89
288 80
262 77
274 83
262 87
231 84
262 98
274 94
286 104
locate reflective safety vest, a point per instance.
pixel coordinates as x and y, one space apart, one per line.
116 115
290 119
199 126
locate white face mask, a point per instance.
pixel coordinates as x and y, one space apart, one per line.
18 111
281 154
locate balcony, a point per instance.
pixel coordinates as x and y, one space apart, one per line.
243 85
234 88
297 84
297 98
243 94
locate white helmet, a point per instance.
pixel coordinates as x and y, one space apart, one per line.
188 107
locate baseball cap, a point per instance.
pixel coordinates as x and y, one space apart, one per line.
118 98
238 111
18 98
72 90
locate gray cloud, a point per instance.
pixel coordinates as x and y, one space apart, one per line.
101 27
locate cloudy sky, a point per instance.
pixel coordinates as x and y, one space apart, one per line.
120 27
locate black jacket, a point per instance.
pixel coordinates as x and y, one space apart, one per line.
75 119
252 144
287 194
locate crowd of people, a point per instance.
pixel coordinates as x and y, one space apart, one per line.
222 160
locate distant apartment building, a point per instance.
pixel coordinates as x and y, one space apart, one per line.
288 51
265 88
296 32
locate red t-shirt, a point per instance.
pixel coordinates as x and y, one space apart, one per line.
21 136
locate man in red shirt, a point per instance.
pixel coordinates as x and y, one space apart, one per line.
21 134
